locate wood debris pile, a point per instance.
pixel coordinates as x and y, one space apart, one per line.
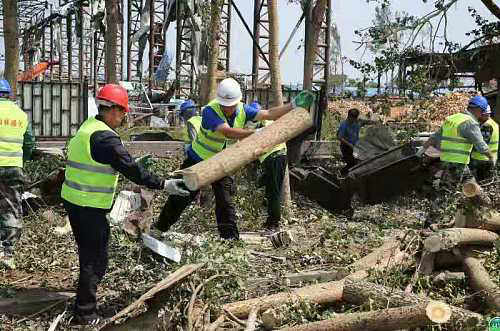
435 110
341 107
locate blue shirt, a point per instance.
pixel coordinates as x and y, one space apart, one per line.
349 131
210 121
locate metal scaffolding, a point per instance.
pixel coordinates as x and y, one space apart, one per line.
260 65
225 35
184 67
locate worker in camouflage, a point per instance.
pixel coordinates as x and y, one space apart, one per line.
16 145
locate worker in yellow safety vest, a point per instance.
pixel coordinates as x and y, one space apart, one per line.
96 156
274 163
480 165
191 121
456 138
223 123
16 145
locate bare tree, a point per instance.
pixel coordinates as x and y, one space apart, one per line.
11 41
214 30
317 17
113 19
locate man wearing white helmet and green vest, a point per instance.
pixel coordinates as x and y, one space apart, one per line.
223 122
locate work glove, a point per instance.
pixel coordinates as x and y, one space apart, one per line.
145 161
420 152
176 187
493 162
304 99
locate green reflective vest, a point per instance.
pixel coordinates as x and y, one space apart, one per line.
454 148
209 143
492 144
13 125
88 183
279 147
195 122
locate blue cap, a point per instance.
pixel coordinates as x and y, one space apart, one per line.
189 104
255 105
5 86
480 102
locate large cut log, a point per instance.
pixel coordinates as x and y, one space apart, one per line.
486 220
324 293
245 151
157 290
449 238
360 292
481 282
408 317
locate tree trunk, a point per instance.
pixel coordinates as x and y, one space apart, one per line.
213 61
361 292
11 41
324 293
492 7
317 17
486 220
449 238
408 317
245 151
481 282
111 56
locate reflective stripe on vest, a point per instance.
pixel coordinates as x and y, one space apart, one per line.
454 148
208 143
13 126
492 144
276 148
195 121
88 183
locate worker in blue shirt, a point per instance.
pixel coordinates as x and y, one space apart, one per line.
348 134
223 123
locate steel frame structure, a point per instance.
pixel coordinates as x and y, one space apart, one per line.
184 67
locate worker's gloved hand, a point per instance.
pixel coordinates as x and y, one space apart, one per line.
493 162
177 187
420 152
304 99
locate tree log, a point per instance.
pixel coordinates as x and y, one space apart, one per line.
486 220
360 292
252 319
408 317
475 193
445 277
446 260
319 293
480 281
449 238
245 151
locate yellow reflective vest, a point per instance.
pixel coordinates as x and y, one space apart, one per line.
454 148
88 183
195 122
492 144
207 142
13 126
280 147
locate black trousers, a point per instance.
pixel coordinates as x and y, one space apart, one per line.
274 172
91 231
348 157
225 212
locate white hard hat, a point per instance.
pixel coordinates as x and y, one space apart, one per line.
228 92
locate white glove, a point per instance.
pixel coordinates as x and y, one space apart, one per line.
173 186
420 152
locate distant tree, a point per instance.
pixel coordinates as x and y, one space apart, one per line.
113 19
11 40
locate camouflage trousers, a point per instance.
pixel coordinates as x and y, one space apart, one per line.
12 180
446 183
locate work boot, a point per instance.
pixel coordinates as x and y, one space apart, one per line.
271 227
91 320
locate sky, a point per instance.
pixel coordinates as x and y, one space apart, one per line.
349 15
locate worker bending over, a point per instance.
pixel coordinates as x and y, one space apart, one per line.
223 121
16 146
274 163
481 167
96 156
456 138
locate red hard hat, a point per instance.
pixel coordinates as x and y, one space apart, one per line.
115 94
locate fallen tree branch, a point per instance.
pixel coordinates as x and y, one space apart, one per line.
193 299
215 325
480 281
407 317
449 238
489 220
360 292
234 318
252 319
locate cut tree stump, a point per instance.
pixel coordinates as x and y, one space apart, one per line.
160 287
408 317
449 238
360 292
481 282
324 293
245 151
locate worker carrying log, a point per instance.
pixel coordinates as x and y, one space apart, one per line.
481 167
456 138
16 145
223 121
274 163
96 156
